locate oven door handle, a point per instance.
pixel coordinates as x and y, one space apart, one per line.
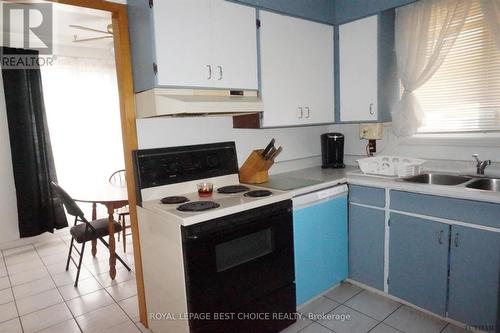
235 226
196 236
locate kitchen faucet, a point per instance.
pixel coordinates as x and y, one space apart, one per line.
481 165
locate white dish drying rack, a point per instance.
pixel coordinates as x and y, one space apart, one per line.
391 166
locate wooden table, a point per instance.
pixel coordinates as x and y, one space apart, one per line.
111 196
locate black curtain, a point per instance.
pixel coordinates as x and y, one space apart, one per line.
32 158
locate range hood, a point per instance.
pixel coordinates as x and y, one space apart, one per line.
194 102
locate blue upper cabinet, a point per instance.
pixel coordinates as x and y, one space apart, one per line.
367 79
328 11
418 261
350 10
474 277
142 44
315 10
193 43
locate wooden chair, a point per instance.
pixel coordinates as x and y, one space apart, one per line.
118 178
85 231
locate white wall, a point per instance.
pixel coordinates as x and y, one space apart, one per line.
443 153
301 146
8 204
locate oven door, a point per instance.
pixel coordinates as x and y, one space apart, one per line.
238 259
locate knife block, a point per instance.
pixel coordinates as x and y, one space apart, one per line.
255 169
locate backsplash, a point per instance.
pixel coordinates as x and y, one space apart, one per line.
452 155
301 145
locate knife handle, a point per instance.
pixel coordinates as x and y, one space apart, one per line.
276 153
270 154
268 148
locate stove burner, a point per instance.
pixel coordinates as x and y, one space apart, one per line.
258 193
174 200
232 189
198 206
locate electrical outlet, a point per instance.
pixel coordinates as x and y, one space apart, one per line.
372 147
371 131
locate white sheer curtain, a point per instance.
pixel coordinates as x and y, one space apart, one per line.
425 32
491 12
83 112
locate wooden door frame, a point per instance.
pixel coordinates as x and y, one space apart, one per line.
128 116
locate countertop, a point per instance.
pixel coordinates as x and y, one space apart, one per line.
324 178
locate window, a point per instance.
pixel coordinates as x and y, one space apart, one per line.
463 95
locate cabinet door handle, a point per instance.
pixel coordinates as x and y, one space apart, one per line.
209 72
220 72
308 112
456 239
300 112
372 112
440 237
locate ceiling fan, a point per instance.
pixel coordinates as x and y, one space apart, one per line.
108 33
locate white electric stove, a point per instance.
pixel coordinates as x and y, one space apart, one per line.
230 252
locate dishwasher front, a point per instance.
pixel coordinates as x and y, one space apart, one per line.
320 241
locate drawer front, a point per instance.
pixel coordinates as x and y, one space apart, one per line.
366 195
476 212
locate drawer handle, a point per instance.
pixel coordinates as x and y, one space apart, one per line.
209 72
220 72
300 113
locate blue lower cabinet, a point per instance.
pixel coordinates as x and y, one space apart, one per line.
474 277
366 245
418 261
320 243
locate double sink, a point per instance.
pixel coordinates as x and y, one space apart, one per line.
486 184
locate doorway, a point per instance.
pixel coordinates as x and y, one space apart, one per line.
127 116
122 60
81 101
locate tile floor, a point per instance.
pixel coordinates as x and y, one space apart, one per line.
37 294
350 309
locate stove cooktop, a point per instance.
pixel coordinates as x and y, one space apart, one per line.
179 209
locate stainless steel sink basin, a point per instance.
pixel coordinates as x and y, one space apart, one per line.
437 179
488 184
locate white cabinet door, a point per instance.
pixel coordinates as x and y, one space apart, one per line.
316 72
358 70
234 45
296 71
182 41
279 58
